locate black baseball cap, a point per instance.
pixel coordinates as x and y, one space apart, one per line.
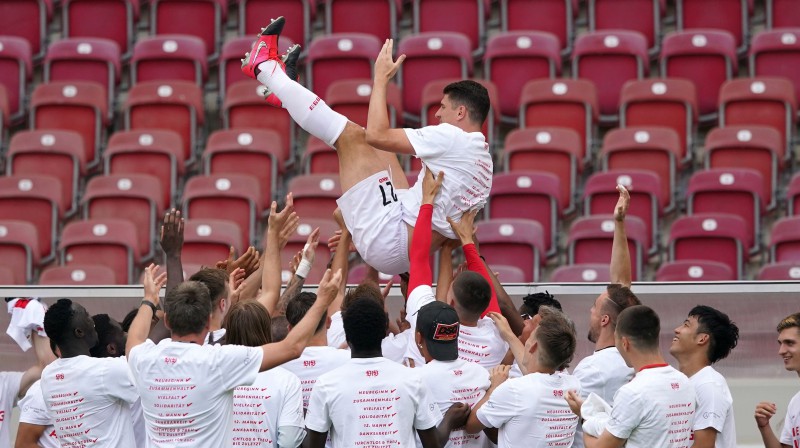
439 326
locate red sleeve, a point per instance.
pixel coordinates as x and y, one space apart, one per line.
419 256
475 264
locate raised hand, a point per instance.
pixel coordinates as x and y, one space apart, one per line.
283 223
153 282
464 229
295 262
764 412
172 233
249 261
235 282
502 326
333 242
329 286
310 249
402 323
385 66
431 185
498 375
621 209
575 402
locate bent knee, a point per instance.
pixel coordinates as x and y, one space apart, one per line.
353 134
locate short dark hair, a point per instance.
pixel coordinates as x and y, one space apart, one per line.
298 306
556 337
641 325
365 324
532 302
723 334
105 335
216 280
187 308
472 292
471 95
364 290
619 298
58 321
247 323
280 328
790 321
128 319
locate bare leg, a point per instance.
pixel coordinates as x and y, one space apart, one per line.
358 160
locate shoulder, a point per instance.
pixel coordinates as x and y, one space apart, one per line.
794 404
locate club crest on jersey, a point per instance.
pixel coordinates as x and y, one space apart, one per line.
445 332
676 386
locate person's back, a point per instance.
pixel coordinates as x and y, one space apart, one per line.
314 362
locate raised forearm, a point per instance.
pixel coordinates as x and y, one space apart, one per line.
140 327
292 289
620 256
271 275
507 308
340 261
475 264
769 438
252 283
445 272
174 270
420 270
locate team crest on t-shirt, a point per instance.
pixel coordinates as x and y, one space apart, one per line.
445 332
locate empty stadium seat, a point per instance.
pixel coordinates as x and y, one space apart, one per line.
438 16
147 151
776 53
600 196
528 195
78 106
569 103
784 243
319 158
513 242
327 227
432 95
508 274
350 97
579 273
553 150
132 197
115 20
347 16
787 270
19 249
16 70
36 199
230 64
755 147
256 152
609 59
206 241
656 149
514 58
107 242
695 271
731 16
315 195
235 198
431 56
782 14
27 19
552 16
169 58
60 154
664 102
590 240
299 14
85 59
737 191
174 106
245 108
78 275
204 19
5 116
642 16
705 57
717 237
340 56
793 195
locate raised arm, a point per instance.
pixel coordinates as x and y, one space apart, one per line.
764 412
172 245
419 255
250 264
507 308
281 225
308 254
465 230
445 277
140 326
620 256
341 254
44 356
379 134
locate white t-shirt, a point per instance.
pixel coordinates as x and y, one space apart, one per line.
335 334
259 410
187 389
9 392
714 406
393 347
90 400
465 158
482 344
655 409
314 362
790 435
371 402
457 381
33 410
530 411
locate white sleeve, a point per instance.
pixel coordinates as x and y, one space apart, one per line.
33 409
318 417
419 297
9 381
290 436
431 141
625 418
242 364
501 406
712 407
336 336
791 421
590 378
428 414
292 406
119 381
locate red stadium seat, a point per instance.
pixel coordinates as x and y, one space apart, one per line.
347 16
78 275
169 58
340 56
508 274
230 64
16 70
438 16
787 270
590 239
776 53
327 227
299 14
717 237
431 56
320 158
610 59
551 16
755 147
205 19
19 249
35 199
695 271
5 115
432 95
642 16
705 57
513 242
108 19
236 198
155 152
244 107
514 58
579 273
600 197
315 195
784 243
670 103
78 106
737 191
726 15
173 106
568 103
59 154
133 197
782 14
553 150
107 242
247 151
793 195
350 97
85 59
358 273
655 149
528 195
27 19
206 241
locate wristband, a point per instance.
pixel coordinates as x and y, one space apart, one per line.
152 305
303 268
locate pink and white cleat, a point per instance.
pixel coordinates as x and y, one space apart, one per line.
290 67
265 48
